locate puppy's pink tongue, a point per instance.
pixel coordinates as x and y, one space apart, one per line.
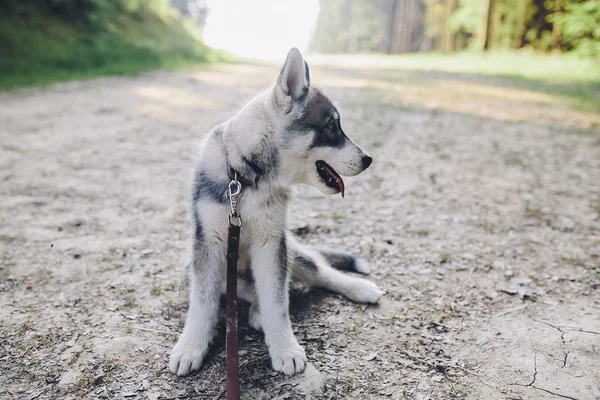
338 179
340 183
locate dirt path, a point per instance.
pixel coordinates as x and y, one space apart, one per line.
480 215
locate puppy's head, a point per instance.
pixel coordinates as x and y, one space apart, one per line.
315 149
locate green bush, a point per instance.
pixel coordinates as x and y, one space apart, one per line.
530 23
61 39
580 27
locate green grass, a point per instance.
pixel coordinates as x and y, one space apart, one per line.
567 76
562 68
41 48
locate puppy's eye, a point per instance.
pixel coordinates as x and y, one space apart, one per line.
331 125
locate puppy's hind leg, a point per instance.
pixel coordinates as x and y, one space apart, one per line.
206 276
246 292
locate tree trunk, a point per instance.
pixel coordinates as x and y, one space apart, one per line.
520 28
496 37
449 7
441 23
401 25
556 28
432 27
392 27
408 26
487 25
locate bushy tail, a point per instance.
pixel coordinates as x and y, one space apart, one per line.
344 261
322 268
308 258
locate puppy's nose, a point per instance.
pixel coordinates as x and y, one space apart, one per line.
366 161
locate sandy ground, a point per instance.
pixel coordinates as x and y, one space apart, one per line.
480 216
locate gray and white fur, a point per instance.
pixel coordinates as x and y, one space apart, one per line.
288 134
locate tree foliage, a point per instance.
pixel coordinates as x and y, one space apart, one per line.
45 40
544 25
580 26
468 16
87 12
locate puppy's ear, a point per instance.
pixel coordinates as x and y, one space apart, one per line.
306 74
294 78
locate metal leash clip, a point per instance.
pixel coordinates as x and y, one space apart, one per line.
233 243
234 192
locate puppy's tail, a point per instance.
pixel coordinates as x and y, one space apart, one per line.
344 261
311 257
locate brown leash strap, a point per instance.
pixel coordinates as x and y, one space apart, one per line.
233 382
231 340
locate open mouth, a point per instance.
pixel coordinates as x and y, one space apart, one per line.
330 177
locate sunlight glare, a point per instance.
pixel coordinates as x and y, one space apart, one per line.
263 29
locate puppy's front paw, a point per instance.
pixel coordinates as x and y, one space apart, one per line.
364 291
290 360
186 358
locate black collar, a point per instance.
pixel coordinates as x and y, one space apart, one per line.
232 173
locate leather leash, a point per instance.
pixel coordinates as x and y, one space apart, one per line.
233 243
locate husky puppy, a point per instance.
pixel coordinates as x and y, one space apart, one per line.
289 134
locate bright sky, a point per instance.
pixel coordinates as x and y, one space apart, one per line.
260 28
